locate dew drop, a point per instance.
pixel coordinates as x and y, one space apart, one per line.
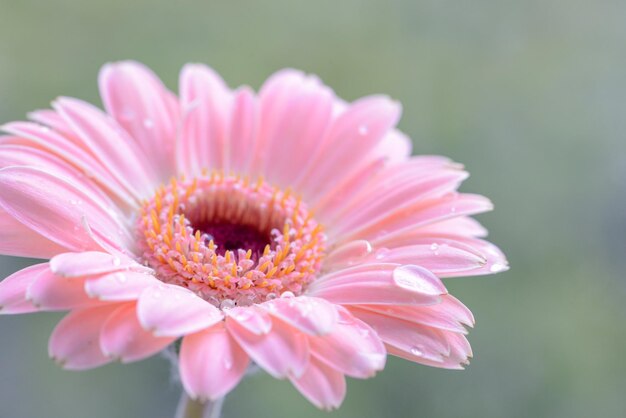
244 301
271 296
417 350
382 253
227 304
228 364
121 278
287 294
116 261
497 267
242 315
417 279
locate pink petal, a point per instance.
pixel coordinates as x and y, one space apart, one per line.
52 119
456 359
452 255
442 259
322 385
421 341
18 240
141 104
13 290
377 206
109 143
41 137
347 254
463 226
74 343
51 293
211 363
418 178
120 285
449 315
55 209
396 146
173 311
396 222
353 348
496 260
123 338
252 318
20 155
295 113
312 316
282 352
361 127
243 130
89 263
379 284
207 103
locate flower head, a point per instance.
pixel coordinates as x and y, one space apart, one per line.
286 228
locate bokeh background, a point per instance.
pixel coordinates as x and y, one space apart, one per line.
529 95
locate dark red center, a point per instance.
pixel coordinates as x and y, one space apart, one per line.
232 237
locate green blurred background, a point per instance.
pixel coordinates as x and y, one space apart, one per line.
529 95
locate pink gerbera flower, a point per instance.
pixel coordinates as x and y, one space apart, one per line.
289 229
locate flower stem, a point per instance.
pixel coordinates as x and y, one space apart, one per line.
190 408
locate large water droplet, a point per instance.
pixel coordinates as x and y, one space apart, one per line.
417 279
287 294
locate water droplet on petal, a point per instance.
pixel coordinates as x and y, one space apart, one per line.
417 350
497 267
148 123
116 261
382 253
417 279
271 296
121 278
228 364
287 294
227 304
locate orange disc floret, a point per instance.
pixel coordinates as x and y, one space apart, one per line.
229 240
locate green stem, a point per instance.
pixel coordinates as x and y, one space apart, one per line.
190 408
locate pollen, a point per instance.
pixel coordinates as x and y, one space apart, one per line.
229 238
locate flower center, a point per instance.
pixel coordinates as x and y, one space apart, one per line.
230 241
